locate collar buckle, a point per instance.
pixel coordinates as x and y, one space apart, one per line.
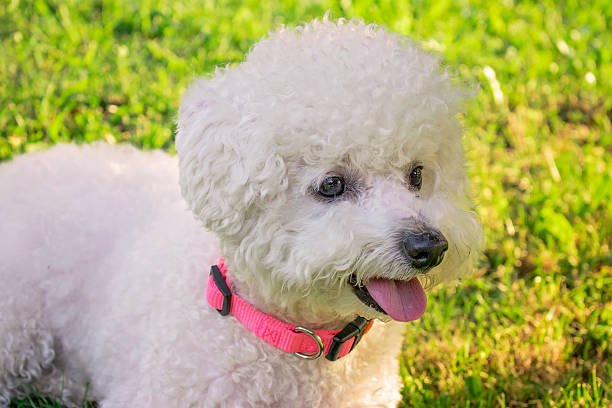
223 288
354 329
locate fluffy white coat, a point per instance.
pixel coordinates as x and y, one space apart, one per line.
104 266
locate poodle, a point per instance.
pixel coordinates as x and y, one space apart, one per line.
318 190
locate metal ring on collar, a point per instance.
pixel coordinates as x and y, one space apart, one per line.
317 340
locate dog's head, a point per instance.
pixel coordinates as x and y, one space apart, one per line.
330 165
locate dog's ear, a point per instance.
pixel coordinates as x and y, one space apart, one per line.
227 170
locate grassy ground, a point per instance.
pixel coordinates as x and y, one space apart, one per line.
532 326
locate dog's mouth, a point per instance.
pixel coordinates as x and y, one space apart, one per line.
402 300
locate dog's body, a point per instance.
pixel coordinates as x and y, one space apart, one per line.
101 292
104 267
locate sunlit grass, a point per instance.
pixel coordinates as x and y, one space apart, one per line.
532 326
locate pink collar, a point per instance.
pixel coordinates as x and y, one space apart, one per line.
308 344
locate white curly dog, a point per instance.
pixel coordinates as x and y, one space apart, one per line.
328 172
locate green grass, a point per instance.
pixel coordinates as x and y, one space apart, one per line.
532 326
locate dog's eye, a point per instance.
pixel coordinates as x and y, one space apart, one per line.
416 177
332 186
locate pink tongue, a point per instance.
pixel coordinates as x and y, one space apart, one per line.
402 300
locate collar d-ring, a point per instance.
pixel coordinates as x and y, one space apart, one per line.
317 340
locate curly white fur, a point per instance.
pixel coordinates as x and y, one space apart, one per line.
104 267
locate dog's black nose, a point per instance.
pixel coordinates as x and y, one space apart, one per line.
424 249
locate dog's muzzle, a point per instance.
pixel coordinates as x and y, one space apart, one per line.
422 248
